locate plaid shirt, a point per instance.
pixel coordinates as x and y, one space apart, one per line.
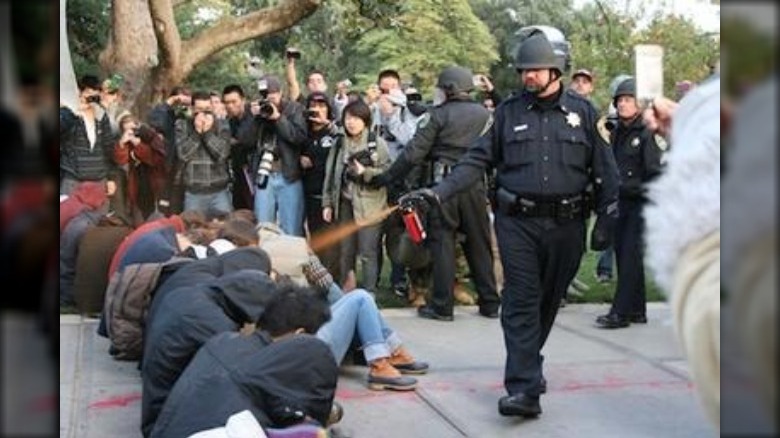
205 156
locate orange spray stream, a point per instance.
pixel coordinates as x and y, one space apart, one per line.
328 238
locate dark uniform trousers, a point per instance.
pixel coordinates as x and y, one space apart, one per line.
466 212
630 296
540 256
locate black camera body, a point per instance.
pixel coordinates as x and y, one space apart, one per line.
266 107
293 53
363 157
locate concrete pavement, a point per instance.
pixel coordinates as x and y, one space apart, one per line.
627 383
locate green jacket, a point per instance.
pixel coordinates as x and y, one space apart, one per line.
367 203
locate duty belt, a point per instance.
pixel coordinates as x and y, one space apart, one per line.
559 207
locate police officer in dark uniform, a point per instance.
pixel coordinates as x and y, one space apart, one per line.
443 135
638 158
546 150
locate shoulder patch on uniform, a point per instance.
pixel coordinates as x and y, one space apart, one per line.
424 120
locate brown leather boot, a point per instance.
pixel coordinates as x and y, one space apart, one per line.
416 296
404 362
462 296
385 376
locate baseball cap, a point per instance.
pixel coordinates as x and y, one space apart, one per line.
318 96
273 83
583 72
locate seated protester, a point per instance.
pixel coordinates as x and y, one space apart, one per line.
356 314
245 425
188 317
281 374
70 240
202 271
234 233
97 246
156 246
186 220
87 195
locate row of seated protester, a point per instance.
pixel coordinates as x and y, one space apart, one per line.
226 318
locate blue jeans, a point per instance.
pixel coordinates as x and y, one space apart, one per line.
206 202
604 266
356 313
284 197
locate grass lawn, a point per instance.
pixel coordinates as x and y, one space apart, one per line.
598 292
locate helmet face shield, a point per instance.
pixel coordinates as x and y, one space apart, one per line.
561 48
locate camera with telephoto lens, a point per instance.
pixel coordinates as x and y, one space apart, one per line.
264 168
266 107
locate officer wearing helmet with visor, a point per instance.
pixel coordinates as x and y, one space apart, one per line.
546 150
443 136
638 158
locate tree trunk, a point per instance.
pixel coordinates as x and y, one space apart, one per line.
132 52
145 46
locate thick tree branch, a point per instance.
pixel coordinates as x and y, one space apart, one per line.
168 38
234 30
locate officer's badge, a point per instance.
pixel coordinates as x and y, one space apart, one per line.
573 119
326 142
424 120
635 142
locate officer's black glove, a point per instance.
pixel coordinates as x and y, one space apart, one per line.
379 181
425 196
603 230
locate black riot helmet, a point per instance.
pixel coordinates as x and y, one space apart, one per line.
455 79
625 88
560 47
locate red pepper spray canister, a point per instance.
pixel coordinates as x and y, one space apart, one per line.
413 224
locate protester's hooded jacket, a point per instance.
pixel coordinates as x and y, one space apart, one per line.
280 382
207 270
188 317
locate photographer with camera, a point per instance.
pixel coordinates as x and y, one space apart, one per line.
346 196
243 137
140 152
203 146
275 162
85 139
163 118
324 133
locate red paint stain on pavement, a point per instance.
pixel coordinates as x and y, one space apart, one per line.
116 402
